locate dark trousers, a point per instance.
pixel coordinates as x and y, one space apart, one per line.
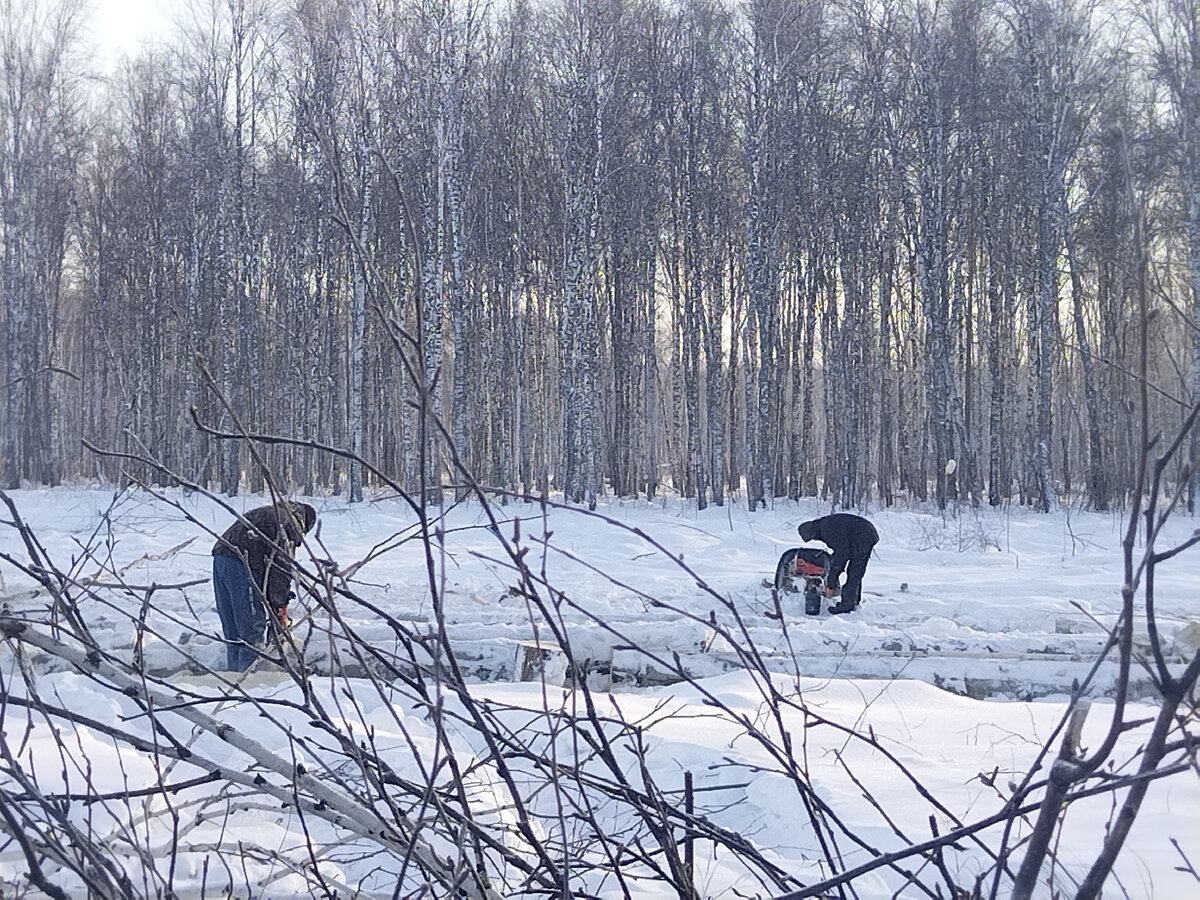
856 567
243 615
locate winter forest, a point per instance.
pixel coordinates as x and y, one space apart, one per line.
855 250
557 323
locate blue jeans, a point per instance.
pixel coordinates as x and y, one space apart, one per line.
243 614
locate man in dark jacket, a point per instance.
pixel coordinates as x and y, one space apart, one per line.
851 538
252 570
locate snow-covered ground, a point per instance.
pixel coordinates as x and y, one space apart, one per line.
959 661
988 603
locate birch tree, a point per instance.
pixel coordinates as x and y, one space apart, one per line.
1047 59
770 49
823 249
935 207
581 86
1174 31
38 155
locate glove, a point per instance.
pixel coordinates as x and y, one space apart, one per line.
832 590
281 614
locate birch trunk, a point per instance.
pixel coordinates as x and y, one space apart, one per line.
1045 304
358 328
581 186
1191 156
452 111
714 367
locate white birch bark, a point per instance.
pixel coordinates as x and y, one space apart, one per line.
1191 158
37 118
358 329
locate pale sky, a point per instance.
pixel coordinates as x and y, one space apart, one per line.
119 27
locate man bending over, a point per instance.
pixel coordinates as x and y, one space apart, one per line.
252 570
851 539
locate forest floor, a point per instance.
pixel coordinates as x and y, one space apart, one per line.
985 603
1003 609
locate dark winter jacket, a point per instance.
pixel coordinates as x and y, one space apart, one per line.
265 540
847 535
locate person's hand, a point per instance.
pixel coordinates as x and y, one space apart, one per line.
282 614
832 590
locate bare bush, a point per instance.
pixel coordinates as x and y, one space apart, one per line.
969 530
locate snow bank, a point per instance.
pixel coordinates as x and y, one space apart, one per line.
1007 605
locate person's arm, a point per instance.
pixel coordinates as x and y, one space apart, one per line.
274 550
279 578
833 538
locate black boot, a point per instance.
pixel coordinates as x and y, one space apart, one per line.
843 606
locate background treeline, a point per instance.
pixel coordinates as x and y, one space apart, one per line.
866 249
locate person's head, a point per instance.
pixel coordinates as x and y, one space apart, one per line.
808 530
303 516
306 514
